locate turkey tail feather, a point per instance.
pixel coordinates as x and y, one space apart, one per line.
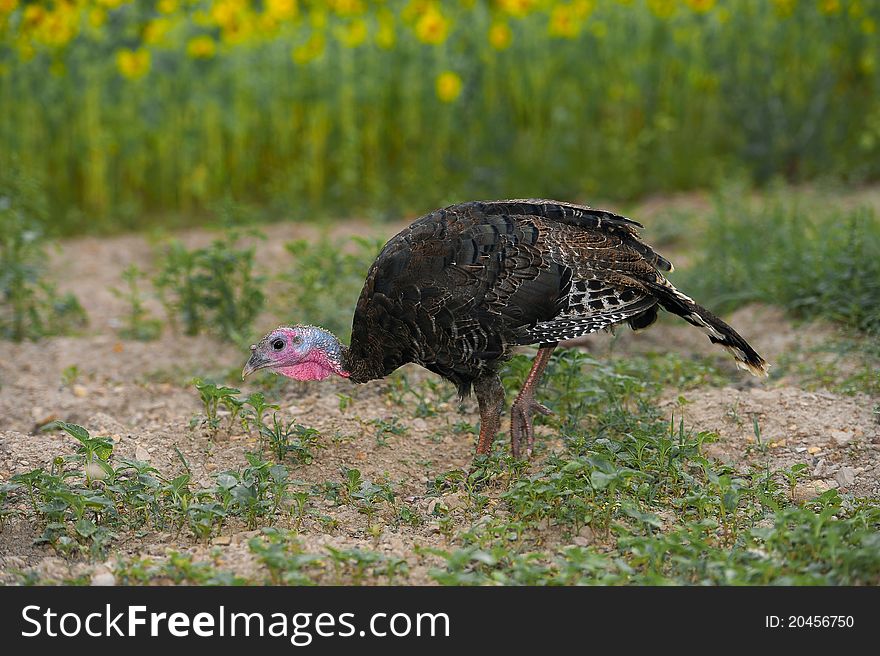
718 331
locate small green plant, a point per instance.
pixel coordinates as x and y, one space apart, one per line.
255 493
409 516
211 289
255 407
299 503
139 325
760 445
283 556
92 454
386 427
6 509
353 565
793 475
352 481
69 375
344 401
291 439
213 398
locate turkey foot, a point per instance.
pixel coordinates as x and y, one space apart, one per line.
522 434
521 412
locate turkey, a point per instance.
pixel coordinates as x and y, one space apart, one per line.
460 288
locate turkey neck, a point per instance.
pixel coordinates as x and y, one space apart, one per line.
353 366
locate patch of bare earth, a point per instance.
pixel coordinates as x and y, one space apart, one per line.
836 437
138 394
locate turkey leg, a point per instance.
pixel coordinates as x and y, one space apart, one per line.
490 396
521 432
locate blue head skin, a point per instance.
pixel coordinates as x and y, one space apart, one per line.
298 352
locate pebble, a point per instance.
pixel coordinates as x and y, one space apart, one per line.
244 536
80 391
842 437
94 471
396 544
809 490
44 420
845 476
454 501
222 540
15 562
814 450
103 578
585 537
140 453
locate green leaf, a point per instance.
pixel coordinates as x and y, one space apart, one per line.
481 556
226 481
85 527
74 430
600 480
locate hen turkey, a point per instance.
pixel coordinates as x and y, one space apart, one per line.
460 288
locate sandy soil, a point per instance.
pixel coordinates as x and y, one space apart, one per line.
138 394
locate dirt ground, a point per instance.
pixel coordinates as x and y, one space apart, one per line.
137 392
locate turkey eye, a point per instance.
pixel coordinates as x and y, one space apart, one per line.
278 344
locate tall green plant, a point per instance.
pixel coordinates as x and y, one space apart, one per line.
815 261
212 289
30 306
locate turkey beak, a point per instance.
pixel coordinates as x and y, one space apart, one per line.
256 361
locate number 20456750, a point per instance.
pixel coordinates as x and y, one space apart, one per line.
809 622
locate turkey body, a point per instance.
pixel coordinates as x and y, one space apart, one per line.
458 289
